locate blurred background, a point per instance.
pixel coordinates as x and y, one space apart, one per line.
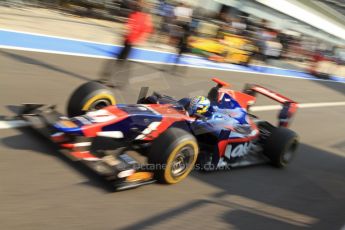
240 32
301 35
50 47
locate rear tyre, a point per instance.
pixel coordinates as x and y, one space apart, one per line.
88 97
173 155
280 147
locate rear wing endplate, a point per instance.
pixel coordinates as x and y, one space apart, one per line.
289 106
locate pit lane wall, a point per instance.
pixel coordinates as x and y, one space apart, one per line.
17 40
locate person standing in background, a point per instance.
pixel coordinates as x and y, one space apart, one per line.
139 26
183 16
166 11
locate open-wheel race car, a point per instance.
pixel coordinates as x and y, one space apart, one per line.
172 140
231 48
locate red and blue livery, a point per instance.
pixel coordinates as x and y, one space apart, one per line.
157 139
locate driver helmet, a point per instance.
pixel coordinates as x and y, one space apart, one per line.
199 105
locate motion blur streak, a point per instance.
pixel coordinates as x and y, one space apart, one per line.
20 123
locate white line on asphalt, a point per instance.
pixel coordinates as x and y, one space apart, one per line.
53 36
21 123
81 40
108 44
13 124
102 43
321 104
52 52
162 63
265 108
305 105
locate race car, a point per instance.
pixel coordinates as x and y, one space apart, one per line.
110 138
232 49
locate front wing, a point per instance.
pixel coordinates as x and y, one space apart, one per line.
117 167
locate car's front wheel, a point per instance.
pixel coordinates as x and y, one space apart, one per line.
89 96
173 155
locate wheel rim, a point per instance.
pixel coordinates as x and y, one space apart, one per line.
182 161
99 104
289 153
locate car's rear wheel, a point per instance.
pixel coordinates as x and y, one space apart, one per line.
88 97
281 145
173 155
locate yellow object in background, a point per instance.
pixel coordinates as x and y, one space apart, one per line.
232 48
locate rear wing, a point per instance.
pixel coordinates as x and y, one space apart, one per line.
286 113
289 106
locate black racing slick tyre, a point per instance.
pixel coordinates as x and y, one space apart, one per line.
280 147
173 155
89 96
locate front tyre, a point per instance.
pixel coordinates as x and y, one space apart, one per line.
88 97
280 147
173 155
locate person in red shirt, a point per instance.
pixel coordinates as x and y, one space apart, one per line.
139 26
